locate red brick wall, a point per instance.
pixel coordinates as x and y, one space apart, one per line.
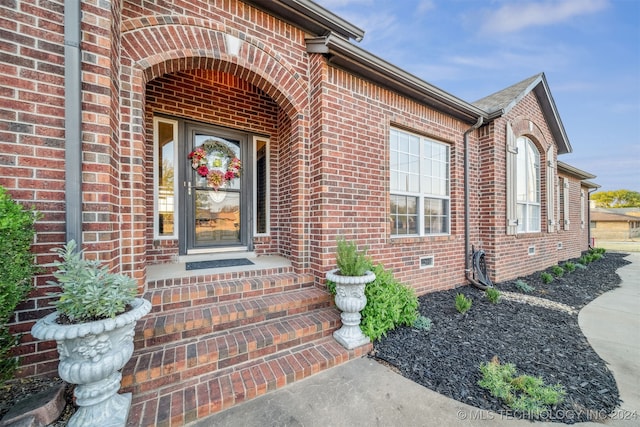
508 256
350 178
217 98
329 143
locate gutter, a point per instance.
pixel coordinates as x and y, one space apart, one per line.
467 253
341 53
73 121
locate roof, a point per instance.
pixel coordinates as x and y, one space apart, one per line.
330 35
574 171
501 102
310 16
611 217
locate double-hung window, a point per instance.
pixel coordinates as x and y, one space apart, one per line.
419 185
528 186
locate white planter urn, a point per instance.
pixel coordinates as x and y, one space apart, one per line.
91 356
351 300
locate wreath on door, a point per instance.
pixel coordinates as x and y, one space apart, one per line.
225 166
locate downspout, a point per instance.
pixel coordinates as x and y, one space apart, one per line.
73 121
467 264
593 190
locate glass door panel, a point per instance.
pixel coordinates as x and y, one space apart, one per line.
215 187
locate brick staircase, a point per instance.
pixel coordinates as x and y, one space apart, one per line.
211 342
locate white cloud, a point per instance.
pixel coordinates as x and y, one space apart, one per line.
513 17
425 6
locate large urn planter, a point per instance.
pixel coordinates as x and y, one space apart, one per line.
91 356
350 299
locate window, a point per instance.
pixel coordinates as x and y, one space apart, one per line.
419 185
528 186
261 184
165 177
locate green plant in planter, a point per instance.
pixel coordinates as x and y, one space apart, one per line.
88 290
389 304
17 268
351 261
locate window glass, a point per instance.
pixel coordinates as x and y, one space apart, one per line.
419 183
528 186
165 178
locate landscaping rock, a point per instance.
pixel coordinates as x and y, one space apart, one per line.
37 410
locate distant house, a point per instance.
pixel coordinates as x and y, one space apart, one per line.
105 102
613 225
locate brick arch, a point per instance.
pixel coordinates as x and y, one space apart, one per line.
166 44
524 127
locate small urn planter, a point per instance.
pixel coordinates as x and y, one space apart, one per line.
350 299
91 356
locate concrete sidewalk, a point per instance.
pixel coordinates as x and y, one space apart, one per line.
365 393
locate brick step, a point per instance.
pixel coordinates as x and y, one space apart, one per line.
170 326
181 360
175 403
178 293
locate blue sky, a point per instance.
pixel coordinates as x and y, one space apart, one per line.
589 51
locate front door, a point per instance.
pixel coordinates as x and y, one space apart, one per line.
216 196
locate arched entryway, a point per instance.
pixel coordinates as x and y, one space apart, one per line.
217 85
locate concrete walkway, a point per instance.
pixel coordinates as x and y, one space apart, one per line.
365 393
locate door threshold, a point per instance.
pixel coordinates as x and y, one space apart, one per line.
216 255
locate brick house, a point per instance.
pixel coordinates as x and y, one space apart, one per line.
104 101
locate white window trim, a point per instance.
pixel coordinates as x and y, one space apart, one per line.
267 189
156 231
538 191
422 196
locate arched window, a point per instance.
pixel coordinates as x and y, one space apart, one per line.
528 186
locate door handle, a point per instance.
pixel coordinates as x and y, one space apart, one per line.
188 185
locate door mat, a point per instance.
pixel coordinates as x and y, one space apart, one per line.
217 263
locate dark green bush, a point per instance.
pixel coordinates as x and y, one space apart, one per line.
389 304
17 268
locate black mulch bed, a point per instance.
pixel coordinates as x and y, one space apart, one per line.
542 342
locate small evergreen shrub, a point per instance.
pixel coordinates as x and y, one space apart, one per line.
17 268
600 251
462 303
557 271
569 267
351 261
546 277
523 286
584 260
580 266
422 323
522 393
493 295
88 291
389 304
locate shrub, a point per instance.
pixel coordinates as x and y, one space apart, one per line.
17 267
584 260
422 323
351 261
389 304
89 291
546 277
596 256
580 266
463 303
523 393
600 251
557 271
569 267
493 294
523 286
